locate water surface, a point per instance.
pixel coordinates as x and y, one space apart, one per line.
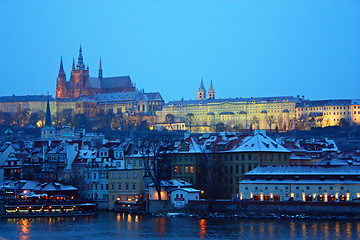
125 226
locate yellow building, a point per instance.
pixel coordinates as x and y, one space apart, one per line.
204 114
263 113
330 112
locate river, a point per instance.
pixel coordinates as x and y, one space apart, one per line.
109 225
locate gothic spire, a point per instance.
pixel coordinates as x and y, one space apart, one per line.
100 70
73 66
48 114
202 88
61 66
80 65
202 91
211 93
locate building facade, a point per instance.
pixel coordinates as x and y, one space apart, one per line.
81 83
204 113
301 183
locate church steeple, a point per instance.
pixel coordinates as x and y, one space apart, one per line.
61 82
100 70
201 91
61 70
80 65
48 122
211 94
73 66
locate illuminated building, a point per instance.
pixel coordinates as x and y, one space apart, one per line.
301 183
203 115
333 112
82 84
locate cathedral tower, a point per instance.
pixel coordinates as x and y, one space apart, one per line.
48 132
100 71
79 76
211 93
201 91
61 91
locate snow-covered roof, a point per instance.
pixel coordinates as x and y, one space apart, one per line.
173 183
190 190
260 143
304 170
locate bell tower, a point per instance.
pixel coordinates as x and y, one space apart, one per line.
201 91
61 91
79 76
211 93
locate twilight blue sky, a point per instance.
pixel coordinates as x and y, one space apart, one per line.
248 48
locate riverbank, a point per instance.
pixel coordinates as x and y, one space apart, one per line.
264 210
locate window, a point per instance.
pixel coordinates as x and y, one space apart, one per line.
119 186
176 169
119 175
256 157
134 175
94 175
186 169
102 187
180 169
191 169
134 186
112 186
127 175
112 175
249 157
127 186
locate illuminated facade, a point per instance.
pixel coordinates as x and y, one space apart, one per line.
330 112
82 84
244 113
301 183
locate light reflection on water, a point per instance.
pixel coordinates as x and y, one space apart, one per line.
122 225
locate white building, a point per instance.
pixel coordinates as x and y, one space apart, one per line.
181 196
301 183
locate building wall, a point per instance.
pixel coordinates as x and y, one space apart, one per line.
233 114
125 185
299 192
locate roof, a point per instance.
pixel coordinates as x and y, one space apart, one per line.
232 100
28 98
320 103
116 82
173 183
305 170
260 143
190 190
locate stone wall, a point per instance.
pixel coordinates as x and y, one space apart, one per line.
264 208
158 206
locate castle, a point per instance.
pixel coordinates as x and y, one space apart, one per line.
82 84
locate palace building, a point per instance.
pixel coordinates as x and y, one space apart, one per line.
81 83
204 113
301 183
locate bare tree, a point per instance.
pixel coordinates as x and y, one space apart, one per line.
189 120
170 119
270 120
255 122
156 154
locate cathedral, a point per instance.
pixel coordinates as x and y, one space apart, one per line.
81 83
